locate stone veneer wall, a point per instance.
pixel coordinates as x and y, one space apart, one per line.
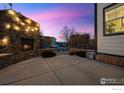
110 59
14 36
7 60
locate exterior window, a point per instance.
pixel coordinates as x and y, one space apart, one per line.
114 19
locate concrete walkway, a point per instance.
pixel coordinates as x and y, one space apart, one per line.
59 70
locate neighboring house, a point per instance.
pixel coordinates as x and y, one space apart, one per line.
53 42
47 41
62 44
109 33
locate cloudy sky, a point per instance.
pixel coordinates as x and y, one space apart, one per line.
53 17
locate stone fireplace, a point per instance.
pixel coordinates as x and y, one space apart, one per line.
27 44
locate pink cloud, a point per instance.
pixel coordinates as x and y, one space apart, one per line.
56 31
87 29
51 22
59 13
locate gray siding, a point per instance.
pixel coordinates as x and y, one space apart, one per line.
107 44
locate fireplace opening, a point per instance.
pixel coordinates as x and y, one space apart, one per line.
27 44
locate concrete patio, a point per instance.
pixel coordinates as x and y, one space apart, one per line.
59 70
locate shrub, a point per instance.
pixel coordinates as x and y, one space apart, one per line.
71 53
81 53
48 54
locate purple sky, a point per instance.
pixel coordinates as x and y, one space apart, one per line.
52 17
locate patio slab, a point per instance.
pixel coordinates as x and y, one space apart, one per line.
99 70
63 61
22 71
44 79
73 76
59 70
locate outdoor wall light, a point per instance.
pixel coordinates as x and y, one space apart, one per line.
5 40
36 28
27 30
28 27
16 28
17 19
8 26
107 32
123 24
22 23
11 12
28 21
123 20
32 29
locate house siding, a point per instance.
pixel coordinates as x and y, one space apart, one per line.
113 44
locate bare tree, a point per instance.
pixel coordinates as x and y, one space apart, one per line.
66 33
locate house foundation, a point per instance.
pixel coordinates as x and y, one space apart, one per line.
115 60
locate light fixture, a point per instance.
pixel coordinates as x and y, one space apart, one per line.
8 26
11 12
28 21
22 23
123 20
5 40
107 32
32 29
16 18
16 27
28 27
27 30
36 28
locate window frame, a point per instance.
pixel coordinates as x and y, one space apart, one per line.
104 22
